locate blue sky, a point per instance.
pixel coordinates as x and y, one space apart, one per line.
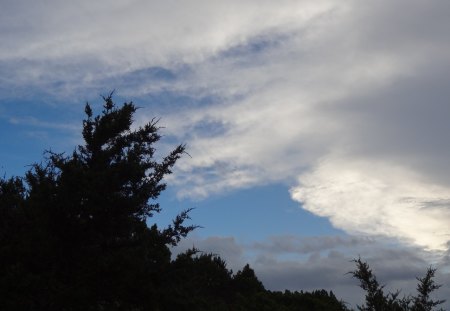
318 130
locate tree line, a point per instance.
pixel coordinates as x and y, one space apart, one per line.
74 235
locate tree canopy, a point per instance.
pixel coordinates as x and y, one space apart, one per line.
74 233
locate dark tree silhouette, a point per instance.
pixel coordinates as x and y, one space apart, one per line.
246 282
198 281
423 301
73 231
377 300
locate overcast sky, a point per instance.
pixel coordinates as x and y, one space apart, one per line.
318 130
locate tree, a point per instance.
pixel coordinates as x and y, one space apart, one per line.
74 234
198 281
246 282
377 300
426 285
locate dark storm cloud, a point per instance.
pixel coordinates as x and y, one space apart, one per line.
306 245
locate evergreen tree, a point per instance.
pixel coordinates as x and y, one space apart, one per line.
426 285
246 282
198 281
74 234
377 300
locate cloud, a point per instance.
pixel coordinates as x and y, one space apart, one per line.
372 198
351 111
309 245
80 44
34 122
288 106
346 102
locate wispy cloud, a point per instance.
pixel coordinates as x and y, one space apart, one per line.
34 122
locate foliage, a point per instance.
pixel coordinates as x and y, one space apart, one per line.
74 234
377 300
426 285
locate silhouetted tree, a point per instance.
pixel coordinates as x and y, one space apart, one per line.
198 281
318 300
246 282
423 301
377 300
73 230
375 297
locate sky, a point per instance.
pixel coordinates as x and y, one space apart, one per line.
317 130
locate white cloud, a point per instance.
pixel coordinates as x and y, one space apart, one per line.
82 42
377 198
